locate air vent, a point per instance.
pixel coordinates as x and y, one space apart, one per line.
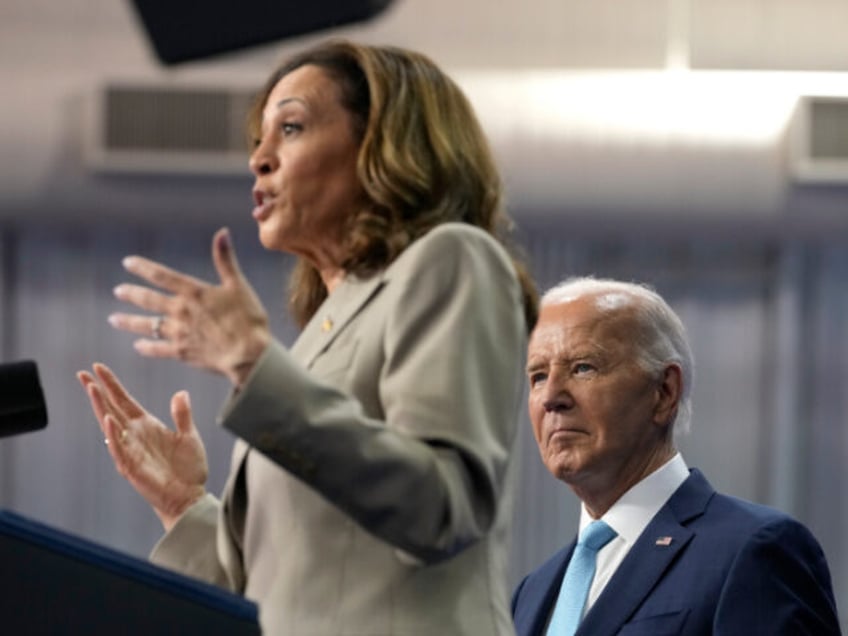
149 129
819 147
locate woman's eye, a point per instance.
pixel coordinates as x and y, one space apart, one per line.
290 128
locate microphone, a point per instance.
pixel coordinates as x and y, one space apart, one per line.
22 406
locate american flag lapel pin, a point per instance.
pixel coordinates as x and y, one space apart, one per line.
663 541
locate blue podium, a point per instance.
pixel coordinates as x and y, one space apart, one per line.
52 582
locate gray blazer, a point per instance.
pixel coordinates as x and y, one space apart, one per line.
369 492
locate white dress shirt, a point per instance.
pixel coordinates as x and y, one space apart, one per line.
629 516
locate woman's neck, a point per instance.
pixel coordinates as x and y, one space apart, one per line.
332 276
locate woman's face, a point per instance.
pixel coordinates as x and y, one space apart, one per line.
305 166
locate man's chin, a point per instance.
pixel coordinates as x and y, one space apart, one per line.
566 469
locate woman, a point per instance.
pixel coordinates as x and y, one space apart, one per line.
368 492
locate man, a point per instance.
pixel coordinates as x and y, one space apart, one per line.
610 374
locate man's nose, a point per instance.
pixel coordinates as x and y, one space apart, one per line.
557 396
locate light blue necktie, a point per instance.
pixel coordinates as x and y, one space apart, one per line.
578 579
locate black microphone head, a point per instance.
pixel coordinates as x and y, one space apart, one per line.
22 406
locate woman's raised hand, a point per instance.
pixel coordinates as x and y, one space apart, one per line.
222 328
167 467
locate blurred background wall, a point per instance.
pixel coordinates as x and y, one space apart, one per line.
692 144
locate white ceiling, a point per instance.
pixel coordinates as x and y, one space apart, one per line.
588 34
562 86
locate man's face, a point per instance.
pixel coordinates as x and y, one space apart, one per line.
599 419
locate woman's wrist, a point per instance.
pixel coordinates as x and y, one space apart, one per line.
240 371
169 518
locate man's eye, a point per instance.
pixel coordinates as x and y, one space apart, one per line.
535 378
582 368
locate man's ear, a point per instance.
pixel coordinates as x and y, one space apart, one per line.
669 389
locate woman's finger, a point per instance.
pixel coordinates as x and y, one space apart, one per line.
98 405
124 404
152 327
143 297
161 275
158 332
95 397
85 378
100 402
224 257
156 348
117 439
181 413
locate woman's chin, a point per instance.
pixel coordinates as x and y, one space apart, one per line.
270 238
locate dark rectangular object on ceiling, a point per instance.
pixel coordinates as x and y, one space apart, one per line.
183 30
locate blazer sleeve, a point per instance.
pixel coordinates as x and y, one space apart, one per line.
779 584
190 546
428 476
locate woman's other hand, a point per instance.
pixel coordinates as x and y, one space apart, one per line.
167 467
222 328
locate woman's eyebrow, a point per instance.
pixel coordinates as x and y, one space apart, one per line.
288 100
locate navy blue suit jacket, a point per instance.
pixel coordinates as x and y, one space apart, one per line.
731 567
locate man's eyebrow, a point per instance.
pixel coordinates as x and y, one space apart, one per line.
593 353
535 362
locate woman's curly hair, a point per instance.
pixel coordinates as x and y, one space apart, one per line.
423 160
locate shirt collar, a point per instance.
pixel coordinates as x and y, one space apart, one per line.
634 509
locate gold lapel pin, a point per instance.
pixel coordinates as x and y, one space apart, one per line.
327 324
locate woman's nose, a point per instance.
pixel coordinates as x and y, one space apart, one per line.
261 161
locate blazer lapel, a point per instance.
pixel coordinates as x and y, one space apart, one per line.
334 315
658 545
